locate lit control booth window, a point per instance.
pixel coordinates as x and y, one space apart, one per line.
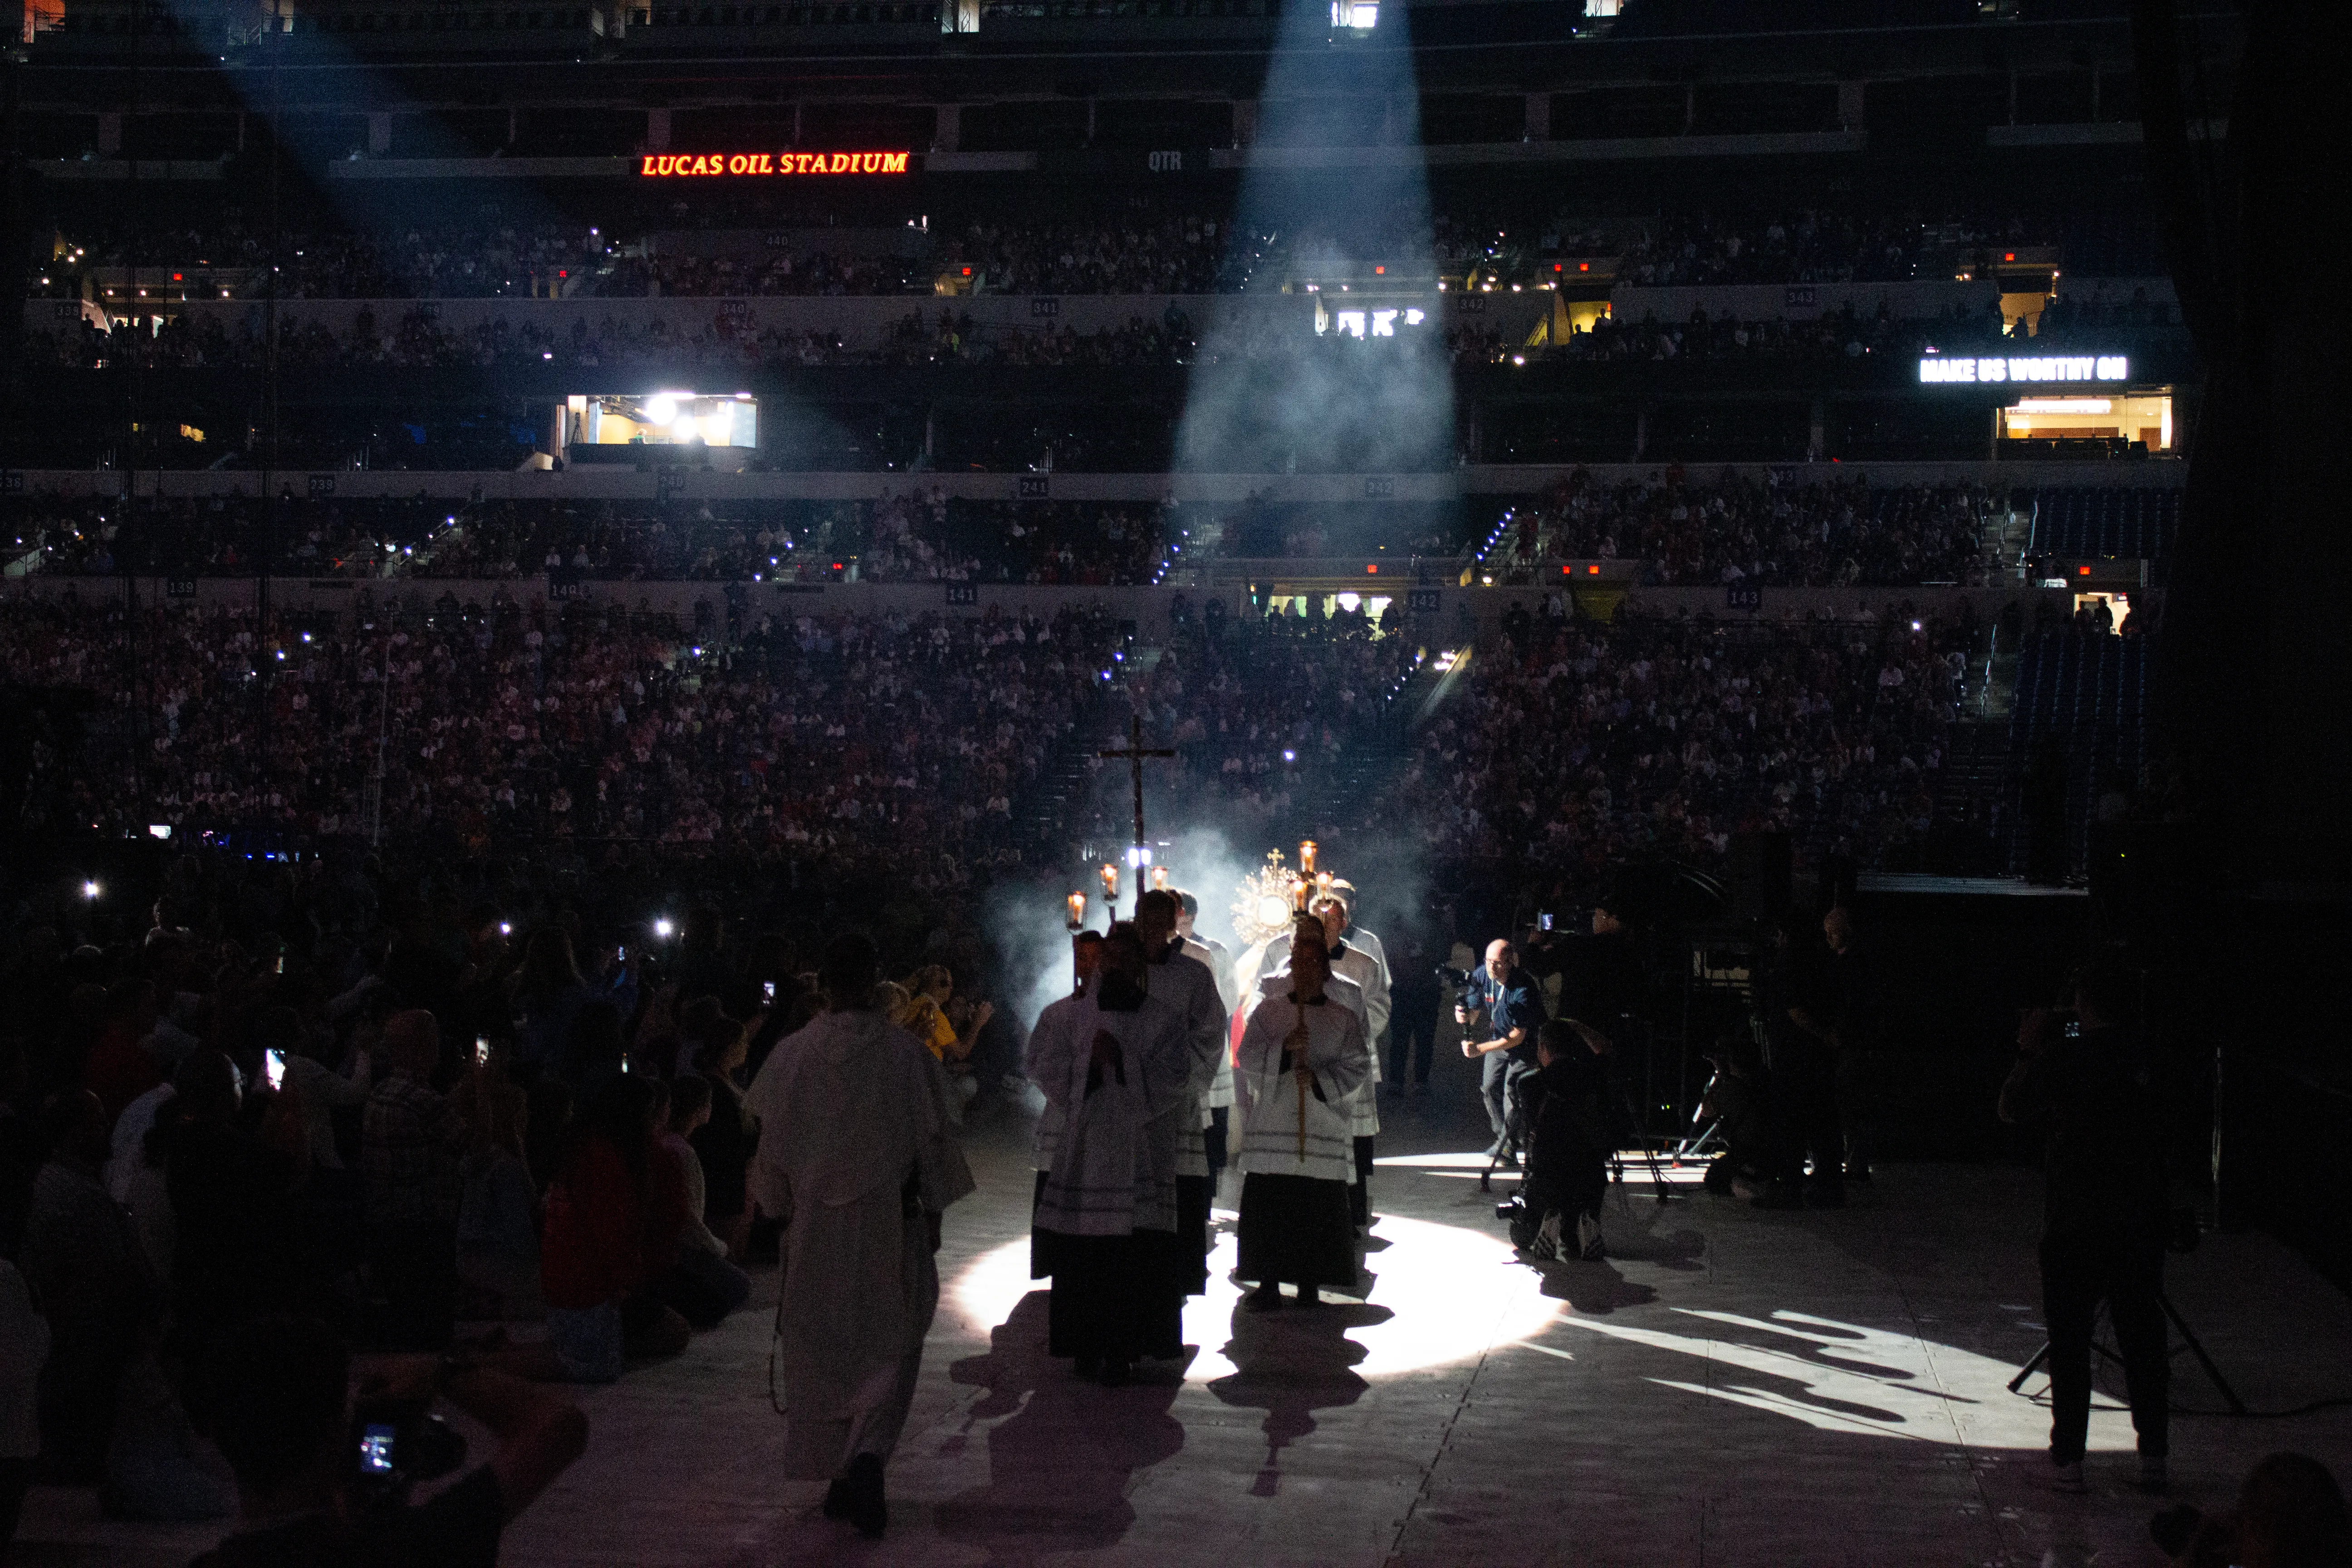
661 419
2141 419
2060 405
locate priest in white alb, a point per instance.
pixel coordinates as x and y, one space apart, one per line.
857 1157
1302 1059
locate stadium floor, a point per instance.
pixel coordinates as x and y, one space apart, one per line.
1730 1387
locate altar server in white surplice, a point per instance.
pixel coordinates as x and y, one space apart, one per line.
1086 953
1301 1060
1182 982
1120 1071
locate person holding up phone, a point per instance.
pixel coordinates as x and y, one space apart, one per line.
309 1497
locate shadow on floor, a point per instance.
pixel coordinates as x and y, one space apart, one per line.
1060 1465
1291 1363
1594 1288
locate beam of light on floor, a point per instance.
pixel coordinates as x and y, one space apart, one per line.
1844 1377
1451 1294
1636 1170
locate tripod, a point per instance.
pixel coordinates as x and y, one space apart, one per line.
2190 1343
1514 1112
1649 1155
1702 1132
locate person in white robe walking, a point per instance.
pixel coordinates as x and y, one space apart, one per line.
857 1157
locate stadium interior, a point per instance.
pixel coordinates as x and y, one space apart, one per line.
486 461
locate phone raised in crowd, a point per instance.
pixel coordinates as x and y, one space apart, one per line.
620 954
281 964
273 1067
377 1441
769 986
1543 921
481 1050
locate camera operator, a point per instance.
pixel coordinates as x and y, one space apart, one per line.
1509 1011
1815 1011
2087 1078
321 1485
1604 979
1564 1107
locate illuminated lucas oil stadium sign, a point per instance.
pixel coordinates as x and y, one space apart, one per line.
2011 367
689 165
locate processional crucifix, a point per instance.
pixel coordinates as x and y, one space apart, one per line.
1135 753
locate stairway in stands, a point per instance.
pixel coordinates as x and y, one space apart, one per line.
2003 532
1973 802
1059 795
1976 768
2086 694
1370 765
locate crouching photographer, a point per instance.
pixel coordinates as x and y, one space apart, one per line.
1563 1105
324 1480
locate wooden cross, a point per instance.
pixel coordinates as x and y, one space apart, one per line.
1135 751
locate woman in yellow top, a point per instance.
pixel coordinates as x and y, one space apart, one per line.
924 1015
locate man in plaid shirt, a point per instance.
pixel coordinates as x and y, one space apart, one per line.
411 1143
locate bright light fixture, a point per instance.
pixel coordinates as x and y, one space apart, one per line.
2065 406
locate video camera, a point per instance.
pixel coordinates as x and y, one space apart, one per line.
396 1444
1457 978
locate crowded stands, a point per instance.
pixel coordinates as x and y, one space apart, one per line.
915 536
1147 247
1776 532
1680 529
1579 748
835 740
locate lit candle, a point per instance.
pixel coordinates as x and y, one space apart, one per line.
1110 883
1078 910
1298 896
1306 856
1160 878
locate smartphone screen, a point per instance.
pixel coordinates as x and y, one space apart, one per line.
770 987
376 1448
1543 923
273 1067
481 1050
282 963
622 954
